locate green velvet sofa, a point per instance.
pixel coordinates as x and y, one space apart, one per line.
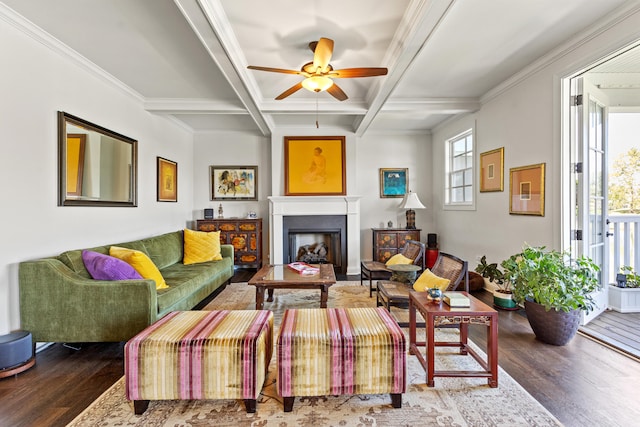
60 302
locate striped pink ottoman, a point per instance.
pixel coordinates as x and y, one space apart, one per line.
200 355
337 351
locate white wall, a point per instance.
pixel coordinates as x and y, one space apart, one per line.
375 151
35 83
524 118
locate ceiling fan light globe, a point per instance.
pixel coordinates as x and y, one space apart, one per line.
317 83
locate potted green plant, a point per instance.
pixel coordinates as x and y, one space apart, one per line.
502 296
553 289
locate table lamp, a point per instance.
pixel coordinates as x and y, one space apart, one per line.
411 202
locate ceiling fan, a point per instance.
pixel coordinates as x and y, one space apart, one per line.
319 73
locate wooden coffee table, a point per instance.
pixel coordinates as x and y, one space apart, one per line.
439 314
272 277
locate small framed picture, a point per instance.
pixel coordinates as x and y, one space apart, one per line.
393 182
526 186
492 170
167 180
234 183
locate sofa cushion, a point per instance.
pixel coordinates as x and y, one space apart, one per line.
105 267
190 284
429 280
164 250
141 262
73 258
201 246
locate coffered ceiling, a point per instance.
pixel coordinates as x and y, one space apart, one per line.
188 58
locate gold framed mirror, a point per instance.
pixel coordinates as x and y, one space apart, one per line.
96 166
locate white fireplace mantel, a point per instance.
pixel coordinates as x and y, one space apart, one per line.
281 206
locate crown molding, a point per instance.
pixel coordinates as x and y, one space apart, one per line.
38 34
610 21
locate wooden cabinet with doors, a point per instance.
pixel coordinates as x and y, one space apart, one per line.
389 241
244 234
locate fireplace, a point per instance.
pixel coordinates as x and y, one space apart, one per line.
345 207
316 239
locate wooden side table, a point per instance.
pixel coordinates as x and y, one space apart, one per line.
438 314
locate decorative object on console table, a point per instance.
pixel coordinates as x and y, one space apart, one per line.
208 213
411 202
234 182
314 166
393 182
243 233
456 299
167 180
389 241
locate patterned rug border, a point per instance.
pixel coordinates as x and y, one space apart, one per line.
454 402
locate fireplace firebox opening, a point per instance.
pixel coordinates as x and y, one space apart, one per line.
316 239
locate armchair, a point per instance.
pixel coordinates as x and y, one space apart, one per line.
447 266
375 270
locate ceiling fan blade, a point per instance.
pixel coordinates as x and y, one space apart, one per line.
273 70
291 90
322 54
358 72
337 93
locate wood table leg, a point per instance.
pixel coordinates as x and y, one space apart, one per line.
464 338
412 325
324 296
492 351
430 326
259 297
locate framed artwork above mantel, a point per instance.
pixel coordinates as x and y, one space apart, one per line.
314 166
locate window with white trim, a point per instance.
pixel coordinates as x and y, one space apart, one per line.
459 186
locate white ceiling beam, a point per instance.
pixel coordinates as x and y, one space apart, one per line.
210 24
433 105
419 21
192 106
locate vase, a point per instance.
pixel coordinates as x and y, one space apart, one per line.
554 327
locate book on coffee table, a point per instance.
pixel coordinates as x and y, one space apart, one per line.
303 268
455 299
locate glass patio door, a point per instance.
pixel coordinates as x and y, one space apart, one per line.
589 143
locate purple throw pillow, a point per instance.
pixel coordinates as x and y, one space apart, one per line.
105 267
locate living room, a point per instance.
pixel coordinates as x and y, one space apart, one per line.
43 76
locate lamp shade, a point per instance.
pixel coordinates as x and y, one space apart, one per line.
411 201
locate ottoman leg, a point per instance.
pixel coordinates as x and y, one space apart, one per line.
288 403
250 405
396 400
139 406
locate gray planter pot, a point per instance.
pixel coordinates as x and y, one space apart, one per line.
553 326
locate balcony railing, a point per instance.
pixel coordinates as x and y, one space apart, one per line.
624 243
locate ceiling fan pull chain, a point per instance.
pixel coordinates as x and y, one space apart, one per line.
317 124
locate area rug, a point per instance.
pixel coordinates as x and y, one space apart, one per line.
453 402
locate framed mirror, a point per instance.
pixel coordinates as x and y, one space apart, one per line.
96 166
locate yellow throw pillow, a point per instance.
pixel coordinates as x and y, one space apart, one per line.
429 280
201 246
141 262
399 259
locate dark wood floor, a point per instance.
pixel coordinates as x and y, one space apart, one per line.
582 384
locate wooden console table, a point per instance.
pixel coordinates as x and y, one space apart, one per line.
389 241
438 314
244 234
